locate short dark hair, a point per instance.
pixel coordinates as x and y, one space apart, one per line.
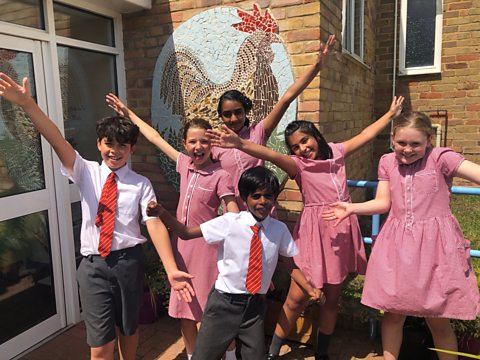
258 178
121 129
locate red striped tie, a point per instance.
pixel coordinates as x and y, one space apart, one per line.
105 219
254 273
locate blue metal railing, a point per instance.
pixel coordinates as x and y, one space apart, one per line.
376 218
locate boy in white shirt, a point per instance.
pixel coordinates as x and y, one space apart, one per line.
249 244
113 198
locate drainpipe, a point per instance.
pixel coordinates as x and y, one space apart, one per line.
394 66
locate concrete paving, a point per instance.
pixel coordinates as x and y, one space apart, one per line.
161 340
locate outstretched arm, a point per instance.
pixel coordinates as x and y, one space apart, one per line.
184 232
228 139
149 132
272 119
371 131
178 279
20 95
469 171
381 204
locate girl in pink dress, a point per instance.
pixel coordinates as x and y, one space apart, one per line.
203 186
420 263
233 108
327 254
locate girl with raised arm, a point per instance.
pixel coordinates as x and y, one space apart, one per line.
420 263
234 106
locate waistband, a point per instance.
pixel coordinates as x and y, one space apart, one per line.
325 203
115 254
239 297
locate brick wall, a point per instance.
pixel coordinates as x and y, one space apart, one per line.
343 96
456 89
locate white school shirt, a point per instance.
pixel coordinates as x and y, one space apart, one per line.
134 192
232 233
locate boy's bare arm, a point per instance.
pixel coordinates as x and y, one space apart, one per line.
178 279
20 95
183 232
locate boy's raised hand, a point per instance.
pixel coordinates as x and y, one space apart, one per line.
396 106
183 289
11 91
116 105
225 138
338 211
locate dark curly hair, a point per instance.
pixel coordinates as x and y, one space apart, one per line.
121 129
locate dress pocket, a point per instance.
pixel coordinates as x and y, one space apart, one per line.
425 182
206 195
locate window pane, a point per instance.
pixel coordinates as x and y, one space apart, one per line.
26 277
85 78
348 28
82 25
358 32
23 12
21 160
420 43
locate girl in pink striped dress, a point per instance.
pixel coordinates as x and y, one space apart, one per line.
234 106
203 186
420 263
327 254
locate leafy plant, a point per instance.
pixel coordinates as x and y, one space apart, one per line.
155 277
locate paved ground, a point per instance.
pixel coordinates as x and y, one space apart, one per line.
162 341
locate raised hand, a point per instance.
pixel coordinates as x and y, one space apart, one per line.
116 105
179 282
11 91
326 49
338 211
226 138
396 106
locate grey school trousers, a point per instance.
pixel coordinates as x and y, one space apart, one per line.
230 316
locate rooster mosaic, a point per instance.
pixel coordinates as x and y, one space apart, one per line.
188 91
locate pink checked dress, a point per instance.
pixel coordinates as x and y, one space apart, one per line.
327 254
420 263
200 196
235 161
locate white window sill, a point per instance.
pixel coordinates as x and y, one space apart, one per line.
419 71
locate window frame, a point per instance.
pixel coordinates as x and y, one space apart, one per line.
349 47
66 193
437 58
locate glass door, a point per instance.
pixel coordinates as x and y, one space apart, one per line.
31 283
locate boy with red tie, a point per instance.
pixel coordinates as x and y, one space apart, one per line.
113 198
249 244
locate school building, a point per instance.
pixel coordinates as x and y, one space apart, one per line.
169 59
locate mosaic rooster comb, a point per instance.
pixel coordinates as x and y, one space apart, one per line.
251 23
